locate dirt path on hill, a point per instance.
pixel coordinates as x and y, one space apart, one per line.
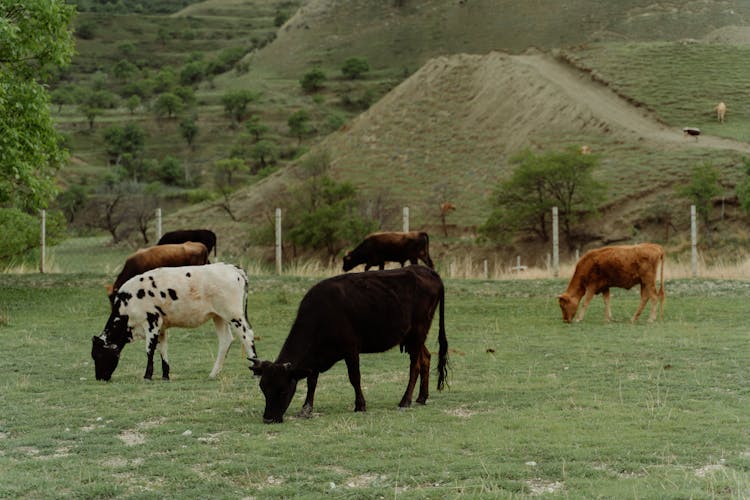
604 103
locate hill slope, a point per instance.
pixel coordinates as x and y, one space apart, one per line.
454 124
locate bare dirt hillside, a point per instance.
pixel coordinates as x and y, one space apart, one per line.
454 125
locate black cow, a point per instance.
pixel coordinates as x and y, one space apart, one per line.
346 315
379 248
205 236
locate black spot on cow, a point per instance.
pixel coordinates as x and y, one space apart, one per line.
172 294
161 311
141 293
141 279
187 274
150 293
237 323
123 297
163 295
153 321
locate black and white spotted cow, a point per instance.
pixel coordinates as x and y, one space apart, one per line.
188 296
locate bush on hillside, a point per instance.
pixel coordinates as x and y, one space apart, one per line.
355 67
22 232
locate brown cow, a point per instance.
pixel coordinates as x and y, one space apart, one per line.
174 255
379 248
616 266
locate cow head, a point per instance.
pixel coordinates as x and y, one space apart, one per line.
278 381
569 305
106 353
348 262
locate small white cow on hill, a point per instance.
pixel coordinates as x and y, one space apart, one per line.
721 111
188 296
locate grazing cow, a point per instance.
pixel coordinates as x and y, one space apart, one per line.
173 255
616 266
721 110
379 248
341 317
205 236
184 297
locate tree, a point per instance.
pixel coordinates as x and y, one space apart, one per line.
299 124
223 180
189 130
129 139
235 103
355 67
313 80
124 70
326 215
35 38
522 204
703 186
167 104
265 152
71 201
132 103
255 128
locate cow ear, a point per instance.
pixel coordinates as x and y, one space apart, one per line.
563 298
257 366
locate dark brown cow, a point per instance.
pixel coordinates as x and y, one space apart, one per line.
205 236
379 248
184 254
616 266
341 317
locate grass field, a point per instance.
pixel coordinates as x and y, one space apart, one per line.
534 406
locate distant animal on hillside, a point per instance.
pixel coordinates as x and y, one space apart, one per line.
721 111
585 150
344 316
692 131
445 208
379 248
616 266
172 255
148 304
205 236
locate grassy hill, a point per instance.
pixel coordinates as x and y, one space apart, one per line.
454 120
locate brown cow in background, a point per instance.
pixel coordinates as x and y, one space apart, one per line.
184 254
616 266
379 248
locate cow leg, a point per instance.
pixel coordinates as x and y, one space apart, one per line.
427 260
307 407
586 299
413 373
152 339
224 333
381 266
162 346
646 294
244 331
607 310
424 375
352 366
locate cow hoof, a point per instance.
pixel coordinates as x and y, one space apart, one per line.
305 412
165 378
360 409
421 401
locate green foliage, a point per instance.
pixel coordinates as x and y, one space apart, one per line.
326 215
121 140
313 80
192 73
189 130
743 188
72 200
34 39
355 67
703 187
22 232
132 103
523 203
299 124
235 103
265 152
170 171
167 104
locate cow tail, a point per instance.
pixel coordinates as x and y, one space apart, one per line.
443 342
662 295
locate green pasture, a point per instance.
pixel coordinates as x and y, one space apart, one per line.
534 406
